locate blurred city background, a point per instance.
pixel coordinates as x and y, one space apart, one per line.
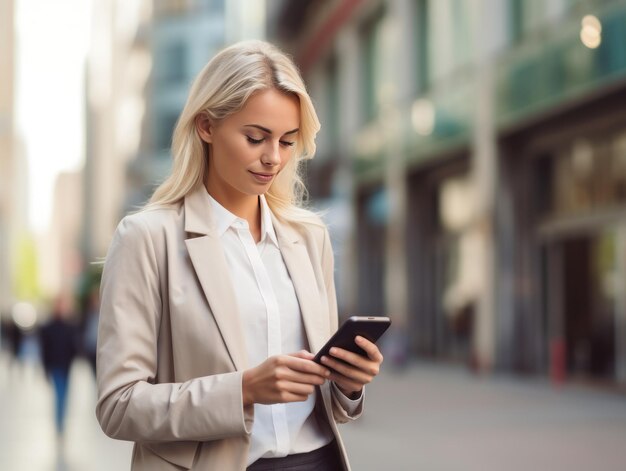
472 163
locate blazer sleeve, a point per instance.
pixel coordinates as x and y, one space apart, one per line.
340 412
131 405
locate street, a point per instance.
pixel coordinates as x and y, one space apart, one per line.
433 418
442 418
27 436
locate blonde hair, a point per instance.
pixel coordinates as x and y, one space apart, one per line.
221 89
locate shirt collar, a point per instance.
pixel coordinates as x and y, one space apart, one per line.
223 219
267 227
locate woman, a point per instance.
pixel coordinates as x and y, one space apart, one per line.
214 295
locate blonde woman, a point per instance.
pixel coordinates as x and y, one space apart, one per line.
214 295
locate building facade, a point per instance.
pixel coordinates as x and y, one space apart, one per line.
13 171
6 146
118 66
180 37
143 57
478 148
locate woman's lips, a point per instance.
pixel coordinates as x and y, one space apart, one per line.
263 177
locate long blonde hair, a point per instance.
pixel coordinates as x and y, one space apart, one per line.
221 89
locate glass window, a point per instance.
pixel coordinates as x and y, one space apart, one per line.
461 31
422 34
164 129
333 100
526 17
371 60
587 174
171 63
215 7
444 39
168 8
458 252
371 219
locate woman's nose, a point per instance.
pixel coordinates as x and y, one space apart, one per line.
271 155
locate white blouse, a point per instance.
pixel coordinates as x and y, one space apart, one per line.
272 325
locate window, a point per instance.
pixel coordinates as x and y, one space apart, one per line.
171 63
165 124
444 36
526 16
371 60
333 100
214 7
422 34
583 176
168 8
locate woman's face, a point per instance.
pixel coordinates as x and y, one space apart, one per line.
250 147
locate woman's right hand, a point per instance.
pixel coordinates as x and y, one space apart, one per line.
283 378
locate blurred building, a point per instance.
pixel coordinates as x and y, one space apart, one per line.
143 57
119 63
60 263
474 153
13 169
7 65
180 37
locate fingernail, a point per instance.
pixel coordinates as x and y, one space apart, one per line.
359 339
333 351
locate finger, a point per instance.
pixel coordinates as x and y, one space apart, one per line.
284 372
371 367
295 387
301 378
347 370
287 396
304 366
303 354
370 348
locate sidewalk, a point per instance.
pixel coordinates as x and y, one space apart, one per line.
431 418
27 436
440 418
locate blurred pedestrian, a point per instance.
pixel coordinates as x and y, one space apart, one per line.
58 349
90 334
14 336
212 294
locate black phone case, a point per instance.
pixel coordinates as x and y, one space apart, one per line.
371 328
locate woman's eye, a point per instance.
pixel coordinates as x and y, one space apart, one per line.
287 143
252 140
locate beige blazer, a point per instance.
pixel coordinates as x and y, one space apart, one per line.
171 348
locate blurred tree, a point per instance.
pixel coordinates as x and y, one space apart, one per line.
26 280
88 283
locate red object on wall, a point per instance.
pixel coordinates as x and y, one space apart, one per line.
557 361
326 32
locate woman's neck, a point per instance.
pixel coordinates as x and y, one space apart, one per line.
246 207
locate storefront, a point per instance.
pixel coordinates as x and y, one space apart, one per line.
569 210
371 223
439 248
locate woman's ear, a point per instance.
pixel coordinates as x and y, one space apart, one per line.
204 127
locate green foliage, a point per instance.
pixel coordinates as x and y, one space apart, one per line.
26 270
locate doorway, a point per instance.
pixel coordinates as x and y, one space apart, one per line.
583 296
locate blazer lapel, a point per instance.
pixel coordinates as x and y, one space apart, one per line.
298 261
209 262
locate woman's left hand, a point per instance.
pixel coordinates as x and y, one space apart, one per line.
351 371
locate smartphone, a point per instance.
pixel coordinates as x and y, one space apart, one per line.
369 327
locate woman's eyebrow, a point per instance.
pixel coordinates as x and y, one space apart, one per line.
268 131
